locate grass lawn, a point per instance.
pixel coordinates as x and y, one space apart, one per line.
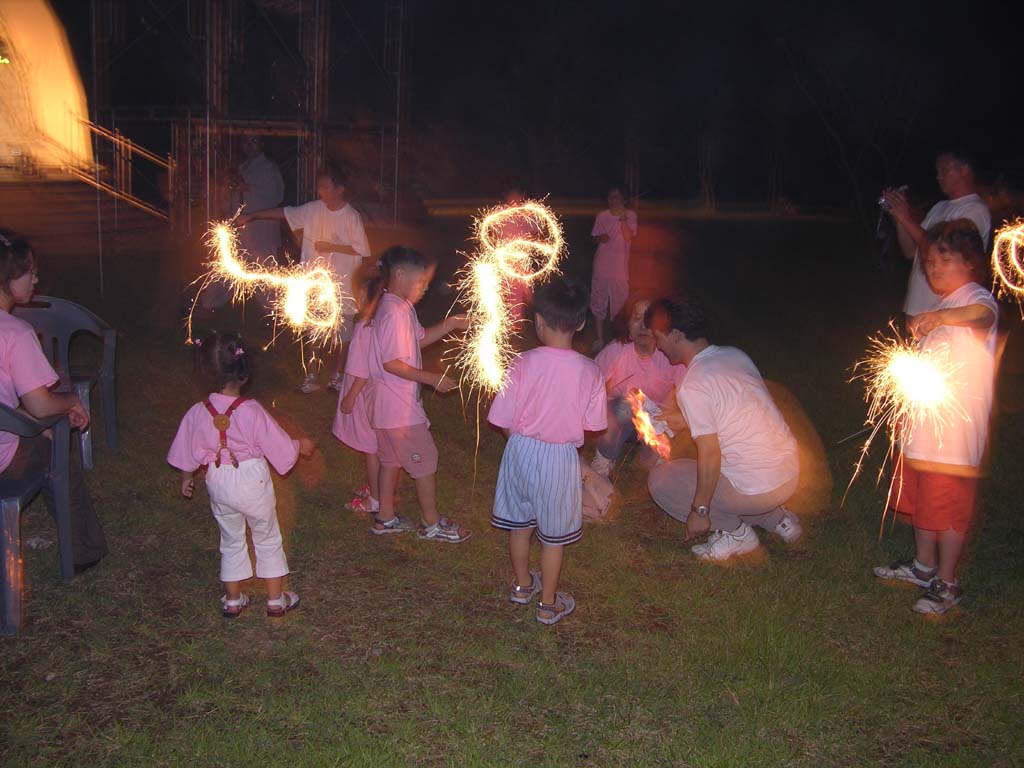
407 653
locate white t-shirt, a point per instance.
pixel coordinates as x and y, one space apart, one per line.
723 393
341 227
920 296
962 440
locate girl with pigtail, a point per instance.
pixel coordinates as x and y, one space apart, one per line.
235 437
396 376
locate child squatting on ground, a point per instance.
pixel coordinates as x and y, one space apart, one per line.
352 425
552 396
397 375
938 479
234 438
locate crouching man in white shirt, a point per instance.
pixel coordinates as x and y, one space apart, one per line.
747 465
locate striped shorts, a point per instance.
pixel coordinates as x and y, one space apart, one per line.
539 486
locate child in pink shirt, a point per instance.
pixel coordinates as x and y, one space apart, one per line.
613 233
352 424
234 438
396 375
553 394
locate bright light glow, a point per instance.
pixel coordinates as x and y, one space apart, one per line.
1008 262
305 298
486 350
644 426
906 388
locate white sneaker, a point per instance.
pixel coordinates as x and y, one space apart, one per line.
789 528
601 465
721 545
309 384
336 382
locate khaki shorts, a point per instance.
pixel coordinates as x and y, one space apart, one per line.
411 448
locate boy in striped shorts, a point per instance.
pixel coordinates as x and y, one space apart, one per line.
553 394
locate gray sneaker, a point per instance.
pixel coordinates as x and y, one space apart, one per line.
523 595
940 597
309 384
905 570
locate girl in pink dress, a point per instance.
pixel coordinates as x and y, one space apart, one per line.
235 438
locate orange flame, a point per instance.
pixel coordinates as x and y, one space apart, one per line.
644 426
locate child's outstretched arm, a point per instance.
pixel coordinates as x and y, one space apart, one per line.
442 329
188 484
348 402
976 316
442 382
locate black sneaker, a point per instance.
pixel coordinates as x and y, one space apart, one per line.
940 597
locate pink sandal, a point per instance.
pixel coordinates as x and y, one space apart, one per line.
232 609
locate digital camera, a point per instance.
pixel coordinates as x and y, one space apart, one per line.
884 204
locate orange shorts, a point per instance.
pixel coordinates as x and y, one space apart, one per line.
934 501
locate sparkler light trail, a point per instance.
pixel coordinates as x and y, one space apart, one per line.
1008 262
307 300
534 253
645 428
906 387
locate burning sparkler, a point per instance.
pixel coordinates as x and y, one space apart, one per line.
1008 262
908 387
655 435
306 299
534 253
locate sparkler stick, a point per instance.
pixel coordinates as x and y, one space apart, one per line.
486 349
907 387
306 299
645 428
1008 262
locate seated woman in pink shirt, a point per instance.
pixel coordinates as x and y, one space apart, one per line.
634 362
234 438
26 378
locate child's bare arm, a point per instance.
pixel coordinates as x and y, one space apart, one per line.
976 316
442 329
188 484
348 402
439 381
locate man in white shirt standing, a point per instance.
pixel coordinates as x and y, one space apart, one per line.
747 465
955 175
332 234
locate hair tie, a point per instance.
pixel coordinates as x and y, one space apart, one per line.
197 342
7 243
239 351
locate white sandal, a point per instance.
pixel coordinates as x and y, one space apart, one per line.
233 608
286 602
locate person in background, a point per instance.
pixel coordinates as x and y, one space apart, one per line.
613 233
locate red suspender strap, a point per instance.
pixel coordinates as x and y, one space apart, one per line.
221 422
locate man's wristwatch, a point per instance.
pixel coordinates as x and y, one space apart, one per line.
700 511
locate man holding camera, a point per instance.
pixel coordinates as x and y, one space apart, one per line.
955 175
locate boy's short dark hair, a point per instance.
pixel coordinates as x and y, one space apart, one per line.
960 155
684 316
15 257
335 173
961 236
562 303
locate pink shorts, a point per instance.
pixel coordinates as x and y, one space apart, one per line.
607 295
411 448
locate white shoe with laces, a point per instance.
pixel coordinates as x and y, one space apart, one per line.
309 384
789 528
721 545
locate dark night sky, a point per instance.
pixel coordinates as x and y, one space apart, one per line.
551 94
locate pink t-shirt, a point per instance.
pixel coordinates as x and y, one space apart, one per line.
354 429
252 434
397 332
723 394
554 395
612 258
624 369
23 367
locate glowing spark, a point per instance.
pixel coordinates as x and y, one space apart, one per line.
1008 262
531 254
645 428
906 388
306 298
